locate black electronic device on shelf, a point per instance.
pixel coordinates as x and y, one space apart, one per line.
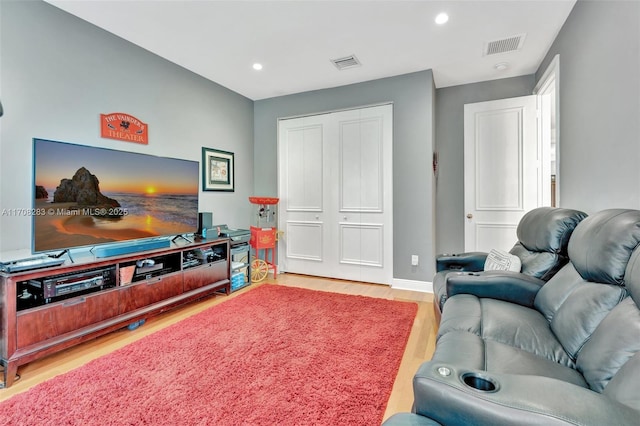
203 255
40 291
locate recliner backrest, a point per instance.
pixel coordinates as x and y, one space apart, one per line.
581 295
601 248
610 360
543 234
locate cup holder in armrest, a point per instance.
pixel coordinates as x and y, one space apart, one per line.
479 382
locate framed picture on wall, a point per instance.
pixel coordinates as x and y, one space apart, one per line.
217 170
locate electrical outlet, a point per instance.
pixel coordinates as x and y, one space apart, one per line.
414 260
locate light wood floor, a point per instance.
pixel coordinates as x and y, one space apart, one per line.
419 348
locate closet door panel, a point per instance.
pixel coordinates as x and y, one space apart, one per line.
335 183
304 168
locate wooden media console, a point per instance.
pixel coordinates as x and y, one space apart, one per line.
47 310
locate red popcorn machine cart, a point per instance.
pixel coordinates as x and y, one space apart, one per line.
264 236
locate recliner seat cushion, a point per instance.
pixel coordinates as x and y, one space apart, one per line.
503 322
476 353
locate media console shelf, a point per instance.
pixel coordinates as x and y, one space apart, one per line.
47 310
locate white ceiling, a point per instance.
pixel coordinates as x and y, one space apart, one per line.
295 40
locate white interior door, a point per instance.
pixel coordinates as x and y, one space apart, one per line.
336 197
502 176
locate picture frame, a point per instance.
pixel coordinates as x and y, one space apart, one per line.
218 172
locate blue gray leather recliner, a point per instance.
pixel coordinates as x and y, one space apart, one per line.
567 355
543 234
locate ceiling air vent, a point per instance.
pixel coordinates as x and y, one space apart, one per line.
509 44
346 62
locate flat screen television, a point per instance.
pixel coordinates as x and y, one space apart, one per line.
87 196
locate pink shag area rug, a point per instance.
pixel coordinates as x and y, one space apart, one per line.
274 355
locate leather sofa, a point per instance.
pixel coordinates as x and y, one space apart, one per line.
569 354
543 234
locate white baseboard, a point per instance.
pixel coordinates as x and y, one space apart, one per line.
423 286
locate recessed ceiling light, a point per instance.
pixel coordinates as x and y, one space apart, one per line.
442 18
257 66
501 66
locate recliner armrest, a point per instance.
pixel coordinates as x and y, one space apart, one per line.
517 399
471 261
509 286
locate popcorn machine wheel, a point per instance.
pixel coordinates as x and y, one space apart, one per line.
264 238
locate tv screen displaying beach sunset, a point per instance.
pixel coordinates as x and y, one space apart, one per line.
85 196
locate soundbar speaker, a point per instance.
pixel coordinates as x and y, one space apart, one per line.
130 247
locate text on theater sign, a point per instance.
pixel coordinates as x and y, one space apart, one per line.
124 127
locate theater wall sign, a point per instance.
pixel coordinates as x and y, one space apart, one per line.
124 127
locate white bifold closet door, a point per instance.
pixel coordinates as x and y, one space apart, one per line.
335 189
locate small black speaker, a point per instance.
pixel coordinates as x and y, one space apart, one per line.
205 221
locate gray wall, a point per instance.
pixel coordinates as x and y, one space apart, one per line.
58 73
450 144
599 48
412 96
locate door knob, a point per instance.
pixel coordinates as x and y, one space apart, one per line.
317 217
469 216
344 217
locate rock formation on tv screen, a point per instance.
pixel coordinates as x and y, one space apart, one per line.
84 190
41 192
